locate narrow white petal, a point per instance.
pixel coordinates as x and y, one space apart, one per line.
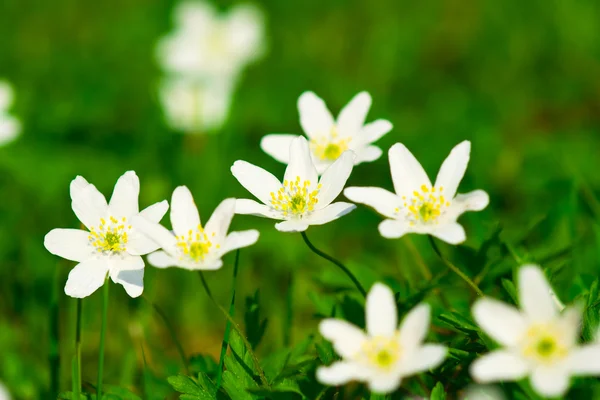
407 173
550 381
155 212
452 233
346 338
499 365
384 384
251 207
329 213
453 169
277 146
237 240
534 294
393 229
339 373
255 180
291 226
476 200
156 232
89 205
334 179
414 326
219 221
353 115
160 259
502 322
125 197
585 360
10 127
368 154
72 244
383 201
86 277
426 357
139 244
381 311
315 118
373 131
129 272
184 213
301 164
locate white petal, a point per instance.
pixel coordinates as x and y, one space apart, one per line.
503 323
452 233
10 127
140 244
329 213
476 200
499 365
301 165
237 240
353 115
86 277
534 294
124 200
89 205
339 373
219 221
277 146
550 381
291 226
407 173
453 169
251 207
426 357
129 272
368 154
72 244
315 118
256 180
381 311
384 384
383 201
334 179
393 229
156 211
155 232
372 131
160 259
184 213
585 360
346 338
414 326
6 95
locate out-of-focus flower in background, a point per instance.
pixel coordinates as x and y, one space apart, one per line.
4 395
203 58
10 127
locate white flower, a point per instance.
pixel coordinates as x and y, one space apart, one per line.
482 392
10 127
302 199
112 245
386 353
417 206
4 395
537 341
190 245
206 44
196 107
329 138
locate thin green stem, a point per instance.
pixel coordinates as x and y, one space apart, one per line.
455 268
172 332
54 350
238 329
225 343
336 262
77 360
102 338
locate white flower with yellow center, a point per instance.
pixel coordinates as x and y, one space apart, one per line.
190 245
384 354
418 206
10 127
302 199
111 246
329 138
537 341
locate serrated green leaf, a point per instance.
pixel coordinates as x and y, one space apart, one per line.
187 386
255 325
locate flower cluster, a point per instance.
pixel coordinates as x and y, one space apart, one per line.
10 127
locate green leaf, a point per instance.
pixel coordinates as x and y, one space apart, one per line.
203 363
255 326
325 352
187 386
511 290
438 392
353 311
459 322
69 396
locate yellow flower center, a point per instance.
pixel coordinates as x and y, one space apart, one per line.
329 147
381 352
110 236
295 198
425 206
544 343
196 246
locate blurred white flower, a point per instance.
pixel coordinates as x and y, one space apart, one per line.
302 199
112 246
4 395
329 138
537 341
10 127
482 392
384 354
417 206
190 245
194 107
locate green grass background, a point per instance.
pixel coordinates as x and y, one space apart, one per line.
518 79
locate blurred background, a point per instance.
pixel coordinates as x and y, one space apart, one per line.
518 79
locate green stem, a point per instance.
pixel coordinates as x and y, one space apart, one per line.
336 262
77 367
225 343
455 268
238 329
102 337
172 332
54 349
